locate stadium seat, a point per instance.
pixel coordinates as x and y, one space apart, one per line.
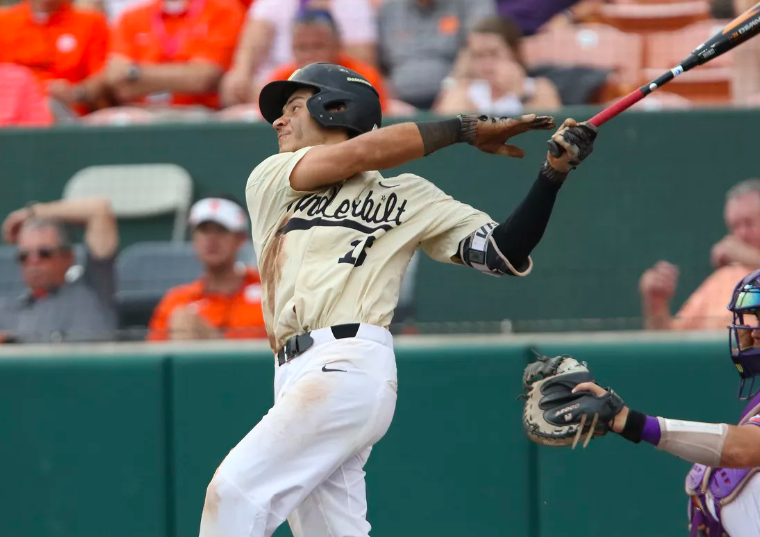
146 270
659 17
118 116
591 45
11 284
710 83
138 190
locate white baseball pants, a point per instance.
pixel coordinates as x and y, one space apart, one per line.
304 460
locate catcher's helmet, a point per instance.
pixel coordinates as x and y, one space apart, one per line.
744 352
334 85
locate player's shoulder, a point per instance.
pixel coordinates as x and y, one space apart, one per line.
275 165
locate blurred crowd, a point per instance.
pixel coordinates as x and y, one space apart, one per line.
132 61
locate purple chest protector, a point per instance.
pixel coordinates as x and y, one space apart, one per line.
724 485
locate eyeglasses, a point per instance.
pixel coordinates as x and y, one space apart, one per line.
42 253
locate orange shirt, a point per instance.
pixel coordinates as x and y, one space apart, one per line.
367 71
22 101
706 308
207 31
239 315
70 45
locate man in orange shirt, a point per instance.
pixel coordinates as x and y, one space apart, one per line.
65 47
173 52
315 39
226 301
733 257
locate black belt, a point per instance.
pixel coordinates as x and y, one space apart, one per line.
297 345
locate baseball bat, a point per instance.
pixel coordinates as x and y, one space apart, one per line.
742 28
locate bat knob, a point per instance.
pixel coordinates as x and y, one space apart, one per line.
555 149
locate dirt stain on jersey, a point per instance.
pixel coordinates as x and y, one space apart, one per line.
273 259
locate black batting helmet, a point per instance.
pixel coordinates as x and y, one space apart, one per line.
334 85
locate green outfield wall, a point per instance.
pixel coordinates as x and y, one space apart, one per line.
122 440
653 189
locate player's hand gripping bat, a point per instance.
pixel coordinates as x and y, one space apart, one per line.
744 27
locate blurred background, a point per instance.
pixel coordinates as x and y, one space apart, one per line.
133 354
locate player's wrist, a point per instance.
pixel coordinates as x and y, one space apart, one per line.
553 174
636 426
443 133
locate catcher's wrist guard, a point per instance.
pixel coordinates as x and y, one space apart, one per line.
634 426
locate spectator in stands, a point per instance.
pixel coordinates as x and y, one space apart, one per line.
226 301
64 46
56 308
316 39
173 52
495 80
737 254
22 100
265 42
530 15
419 41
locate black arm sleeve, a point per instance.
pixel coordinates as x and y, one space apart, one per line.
522 231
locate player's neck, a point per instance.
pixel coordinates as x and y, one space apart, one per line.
223 280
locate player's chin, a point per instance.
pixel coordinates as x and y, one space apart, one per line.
286 144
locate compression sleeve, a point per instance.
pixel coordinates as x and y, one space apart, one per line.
525 227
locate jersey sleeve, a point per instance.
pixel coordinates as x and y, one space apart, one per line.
449 221
268 192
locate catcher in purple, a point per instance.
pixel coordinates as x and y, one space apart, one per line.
723 485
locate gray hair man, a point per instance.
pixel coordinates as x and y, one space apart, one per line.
733 257
54 309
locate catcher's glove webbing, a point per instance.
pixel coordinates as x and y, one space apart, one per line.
555 416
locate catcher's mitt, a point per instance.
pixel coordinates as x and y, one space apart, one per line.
553 415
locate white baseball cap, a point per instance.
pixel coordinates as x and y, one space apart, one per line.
224 212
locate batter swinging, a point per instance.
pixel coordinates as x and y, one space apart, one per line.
333 238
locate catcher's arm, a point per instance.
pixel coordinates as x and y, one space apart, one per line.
712 444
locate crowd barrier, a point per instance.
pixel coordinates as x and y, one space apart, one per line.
653 189
121 440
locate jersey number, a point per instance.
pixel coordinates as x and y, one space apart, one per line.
357 261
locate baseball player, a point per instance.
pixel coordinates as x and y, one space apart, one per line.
723 485
333 238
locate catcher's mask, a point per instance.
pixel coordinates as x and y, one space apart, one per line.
745 351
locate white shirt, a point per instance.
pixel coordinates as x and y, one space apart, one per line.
355 20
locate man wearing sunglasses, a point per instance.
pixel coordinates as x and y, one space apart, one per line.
54 309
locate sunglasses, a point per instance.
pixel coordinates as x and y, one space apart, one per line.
42 253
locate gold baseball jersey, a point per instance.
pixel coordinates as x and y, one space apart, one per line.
338 255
